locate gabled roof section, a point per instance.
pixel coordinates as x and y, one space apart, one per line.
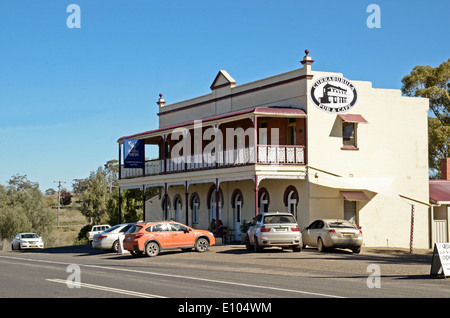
223 79
440 191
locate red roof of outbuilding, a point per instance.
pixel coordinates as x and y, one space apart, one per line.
440 190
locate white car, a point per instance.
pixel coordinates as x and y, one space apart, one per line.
109 239
332 233
278 229
27 240
97 229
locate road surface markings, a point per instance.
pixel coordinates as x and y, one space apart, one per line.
295 291
104 288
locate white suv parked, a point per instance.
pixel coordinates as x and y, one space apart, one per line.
274 229
97 229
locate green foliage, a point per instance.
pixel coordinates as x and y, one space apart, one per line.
23 209
434 84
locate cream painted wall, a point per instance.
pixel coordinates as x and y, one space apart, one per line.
392 144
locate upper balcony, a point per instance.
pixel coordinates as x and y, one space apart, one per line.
225 141
267 154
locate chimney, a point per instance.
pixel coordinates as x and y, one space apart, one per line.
445 168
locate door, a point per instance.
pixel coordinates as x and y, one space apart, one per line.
312 233
161 233
182 236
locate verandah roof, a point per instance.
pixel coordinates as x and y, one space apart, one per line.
261 111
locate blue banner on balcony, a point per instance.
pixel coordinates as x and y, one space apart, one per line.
134 153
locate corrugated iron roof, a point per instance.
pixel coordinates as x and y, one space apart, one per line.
440 190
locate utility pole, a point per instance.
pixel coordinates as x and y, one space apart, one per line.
59 199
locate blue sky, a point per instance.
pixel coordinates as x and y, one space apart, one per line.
67 95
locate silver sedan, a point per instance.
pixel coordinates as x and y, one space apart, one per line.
109 239
328 233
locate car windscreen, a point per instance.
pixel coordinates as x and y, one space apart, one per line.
134 229
28 236
341 225
275 219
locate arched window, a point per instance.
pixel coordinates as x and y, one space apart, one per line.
264 200
165 202
195 207
291 200
212 203
237 202
177 206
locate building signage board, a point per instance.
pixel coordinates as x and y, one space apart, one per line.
134 153
334 94
440 265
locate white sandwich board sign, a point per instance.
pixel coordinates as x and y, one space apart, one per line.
440 265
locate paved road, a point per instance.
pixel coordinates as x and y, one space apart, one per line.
224 272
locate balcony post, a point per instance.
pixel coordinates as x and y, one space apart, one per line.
256 194
166 201
217 200
143 203
120 207
255 126
120 160
186 193
165 152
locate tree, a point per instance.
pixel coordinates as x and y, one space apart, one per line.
23 209
434 84
66 197
95 197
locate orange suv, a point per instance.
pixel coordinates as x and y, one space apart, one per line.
153 237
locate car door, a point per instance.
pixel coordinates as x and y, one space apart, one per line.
313 232
162 233
181 235
306 234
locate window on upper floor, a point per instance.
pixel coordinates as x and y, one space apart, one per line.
349 134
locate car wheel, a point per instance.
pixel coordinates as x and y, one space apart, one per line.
152 249
115 246
297 248
356 250
12 247
258 248
201 245
247 243
320 246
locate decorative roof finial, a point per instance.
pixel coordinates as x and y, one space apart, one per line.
307 59
161 102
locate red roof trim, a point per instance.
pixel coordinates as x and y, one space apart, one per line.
350 118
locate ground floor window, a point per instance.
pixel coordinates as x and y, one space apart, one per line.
212 206
291 200
263 200
195 204
292 203
177 205
350 211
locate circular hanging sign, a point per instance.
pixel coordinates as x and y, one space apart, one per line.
334 94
